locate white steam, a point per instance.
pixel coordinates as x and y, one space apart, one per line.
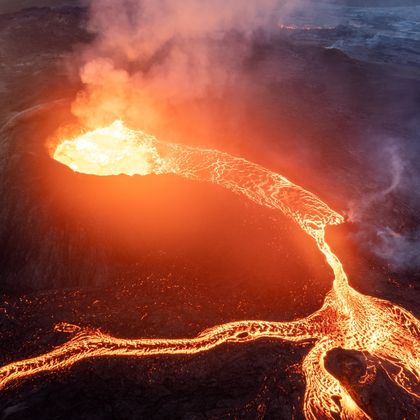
401 250
392 160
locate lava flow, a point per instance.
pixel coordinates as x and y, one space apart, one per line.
347 319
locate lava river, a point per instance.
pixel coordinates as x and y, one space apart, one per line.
347 319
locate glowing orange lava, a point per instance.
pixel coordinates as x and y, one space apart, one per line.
347 319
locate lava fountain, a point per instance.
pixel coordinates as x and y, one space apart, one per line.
347 319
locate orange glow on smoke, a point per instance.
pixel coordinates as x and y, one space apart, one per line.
347 319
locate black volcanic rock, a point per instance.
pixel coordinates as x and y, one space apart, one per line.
378 395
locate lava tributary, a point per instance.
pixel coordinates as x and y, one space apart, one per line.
347 319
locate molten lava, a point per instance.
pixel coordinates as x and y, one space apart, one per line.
109 151
347 319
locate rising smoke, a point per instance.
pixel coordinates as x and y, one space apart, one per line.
390 240
394 168
156 53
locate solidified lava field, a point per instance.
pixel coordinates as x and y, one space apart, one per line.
125 255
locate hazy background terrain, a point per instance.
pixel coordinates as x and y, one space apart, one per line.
8 6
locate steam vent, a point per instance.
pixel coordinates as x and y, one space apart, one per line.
210 209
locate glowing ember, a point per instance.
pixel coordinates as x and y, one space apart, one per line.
347 319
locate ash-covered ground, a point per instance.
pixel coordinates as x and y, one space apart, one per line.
331 104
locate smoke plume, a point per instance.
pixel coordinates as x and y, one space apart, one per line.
153 54
394 168
390 240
